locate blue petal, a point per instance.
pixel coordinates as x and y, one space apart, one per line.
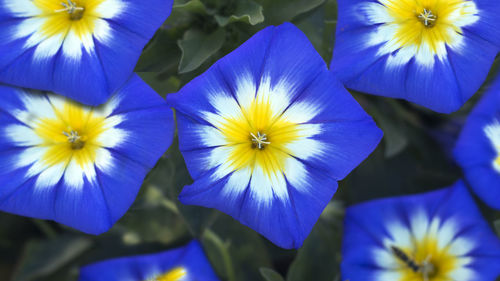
445 87
365 228
139 268
285 222
475 153
98 204
94 77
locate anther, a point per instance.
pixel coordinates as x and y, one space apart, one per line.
427 18
260 140
72 9
74 139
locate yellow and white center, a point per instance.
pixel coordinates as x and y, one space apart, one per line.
70 24
261 137
63 139
176 274
427 251
492 132
420 29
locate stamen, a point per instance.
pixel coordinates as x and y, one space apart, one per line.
70 7
75 139
427 18
427 268
260 140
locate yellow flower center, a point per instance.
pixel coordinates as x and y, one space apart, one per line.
431 22
426 262
259 136
62 16
173 275
73 134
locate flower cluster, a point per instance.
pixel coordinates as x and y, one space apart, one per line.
266 132
187 263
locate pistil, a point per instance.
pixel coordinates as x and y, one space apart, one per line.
260 140
73 10
74 139
427 18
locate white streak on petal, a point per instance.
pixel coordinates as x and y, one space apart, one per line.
22 135
107 109
237 183
210 136
386 275
245 90
22 8
50 176
104 160
73 176
261 189
463 273
301 112
102 31
305 148
278 96
419 224
461 246
109 9
112 137
492 131
467 14
400 236
226 107
385 259
72 46
373 13
446 234
296 173
30 156
26 28
48 47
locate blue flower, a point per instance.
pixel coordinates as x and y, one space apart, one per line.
478 148
187 263
80 166
435 53
267 132
436 236
83 49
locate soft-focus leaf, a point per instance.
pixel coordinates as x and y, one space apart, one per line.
193 6
218 253
270 275
319 257
197 47
279 11
41 258
246 11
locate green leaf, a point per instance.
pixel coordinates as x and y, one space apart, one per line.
246 11
319 257
42 258
192 6
270 274
279 11
197 47
218 253
497 226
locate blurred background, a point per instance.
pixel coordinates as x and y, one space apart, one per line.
413 157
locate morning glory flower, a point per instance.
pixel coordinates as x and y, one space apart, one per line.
187 263
435 236
435 53
82 49
478 148
78 165
267 132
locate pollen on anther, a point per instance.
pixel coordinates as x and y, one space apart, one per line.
260 140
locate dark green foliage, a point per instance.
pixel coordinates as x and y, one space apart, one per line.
413 157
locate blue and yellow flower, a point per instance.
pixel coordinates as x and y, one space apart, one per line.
267 132
436 236
187 263
478 149
83 49
78 165
435 53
